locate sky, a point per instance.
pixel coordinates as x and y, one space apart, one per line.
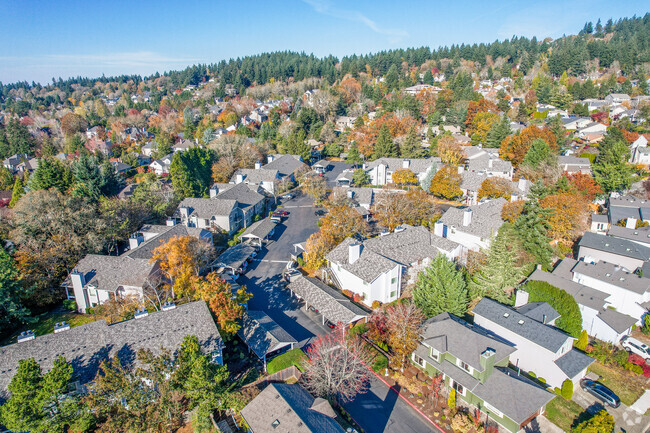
42 39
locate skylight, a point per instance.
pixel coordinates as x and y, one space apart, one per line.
275 423
506 314
521 322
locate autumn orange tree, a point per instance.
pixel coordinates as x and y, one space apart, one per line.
568 217
181 258
495 187
404 176
511 211
416 207
365 137
217 293
514 147
340 222
585 185
449 150
446 183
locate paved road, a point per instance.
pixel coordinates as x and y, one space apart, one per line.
263 277
380 410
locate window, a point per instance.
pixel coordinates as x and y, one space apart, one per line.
419 361
465 366
434 354
275 423
393 281
393 294
460 389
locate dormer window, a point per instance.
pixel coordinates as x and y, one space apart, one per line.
434 354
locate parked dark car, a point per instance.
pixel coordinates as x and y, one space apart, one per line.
320 212
601 392
281 213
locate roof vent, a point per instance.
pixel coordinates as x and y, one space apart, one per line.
166 306
60 327
608 274
506 315
26 336
139 314
521 322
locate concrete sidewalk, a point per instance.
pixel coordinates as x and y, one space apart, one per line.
642 405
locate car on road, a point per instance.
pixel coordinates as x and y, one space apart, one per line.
632 345
287 196
601 392
320 212
280 213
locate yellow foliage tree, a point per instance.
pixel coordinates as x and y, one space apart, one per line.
404 176
219 297
495 187
446 183
450 151
568 219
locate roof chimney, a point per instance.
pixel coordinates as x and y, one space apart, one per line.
490 163
354 252
239 178
135 240
170 222
467 217
461 169
350 193
258 165
269 159
406 163
439 229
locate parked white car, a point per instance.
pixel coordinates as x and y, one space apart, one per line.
632 345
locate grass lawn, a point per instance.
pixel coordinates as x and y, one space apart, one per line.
44 323
563 413
292 357
627 385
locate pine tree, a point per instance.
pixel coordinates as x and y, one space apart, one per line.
354 157
111 182
501 272
411 146
385 147
441 288
428 77
87 178
611 169
12 310
50 174
498 133
17 192
531 228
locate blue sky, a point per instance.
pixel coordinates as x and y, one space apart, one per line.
44 39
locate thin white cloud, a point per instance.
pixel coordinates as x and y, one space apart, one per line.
324 7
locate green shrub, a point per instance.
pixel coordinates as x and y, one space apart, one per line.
359 329
380 364
601 422
590 156
620 357
383 345
70 304
570 320
567 389
541 379
532 374
557 390
637 369
582 342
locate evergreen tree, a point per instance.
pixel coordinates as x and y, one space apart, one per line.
354 157
360 177
428 77
611 169
50 173
88 178
6 179
441 288
111 182
539 153
17 192
385 146
411 146
531 228
501 273
191 172
11 310
392 79
498 133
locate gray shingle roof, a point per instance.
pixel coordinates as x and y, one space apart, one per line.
517 397
383 253
111 272
416 165
244 196
612 245
619 322
471 180
262 335
614 275
333 305
448 333
252 175
259 229
642 234
208 207
596 218
85 346
359 195
540 311
532 330
235 256
486 218
482 163
574 362
291 408
165 233
583 295
285 164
